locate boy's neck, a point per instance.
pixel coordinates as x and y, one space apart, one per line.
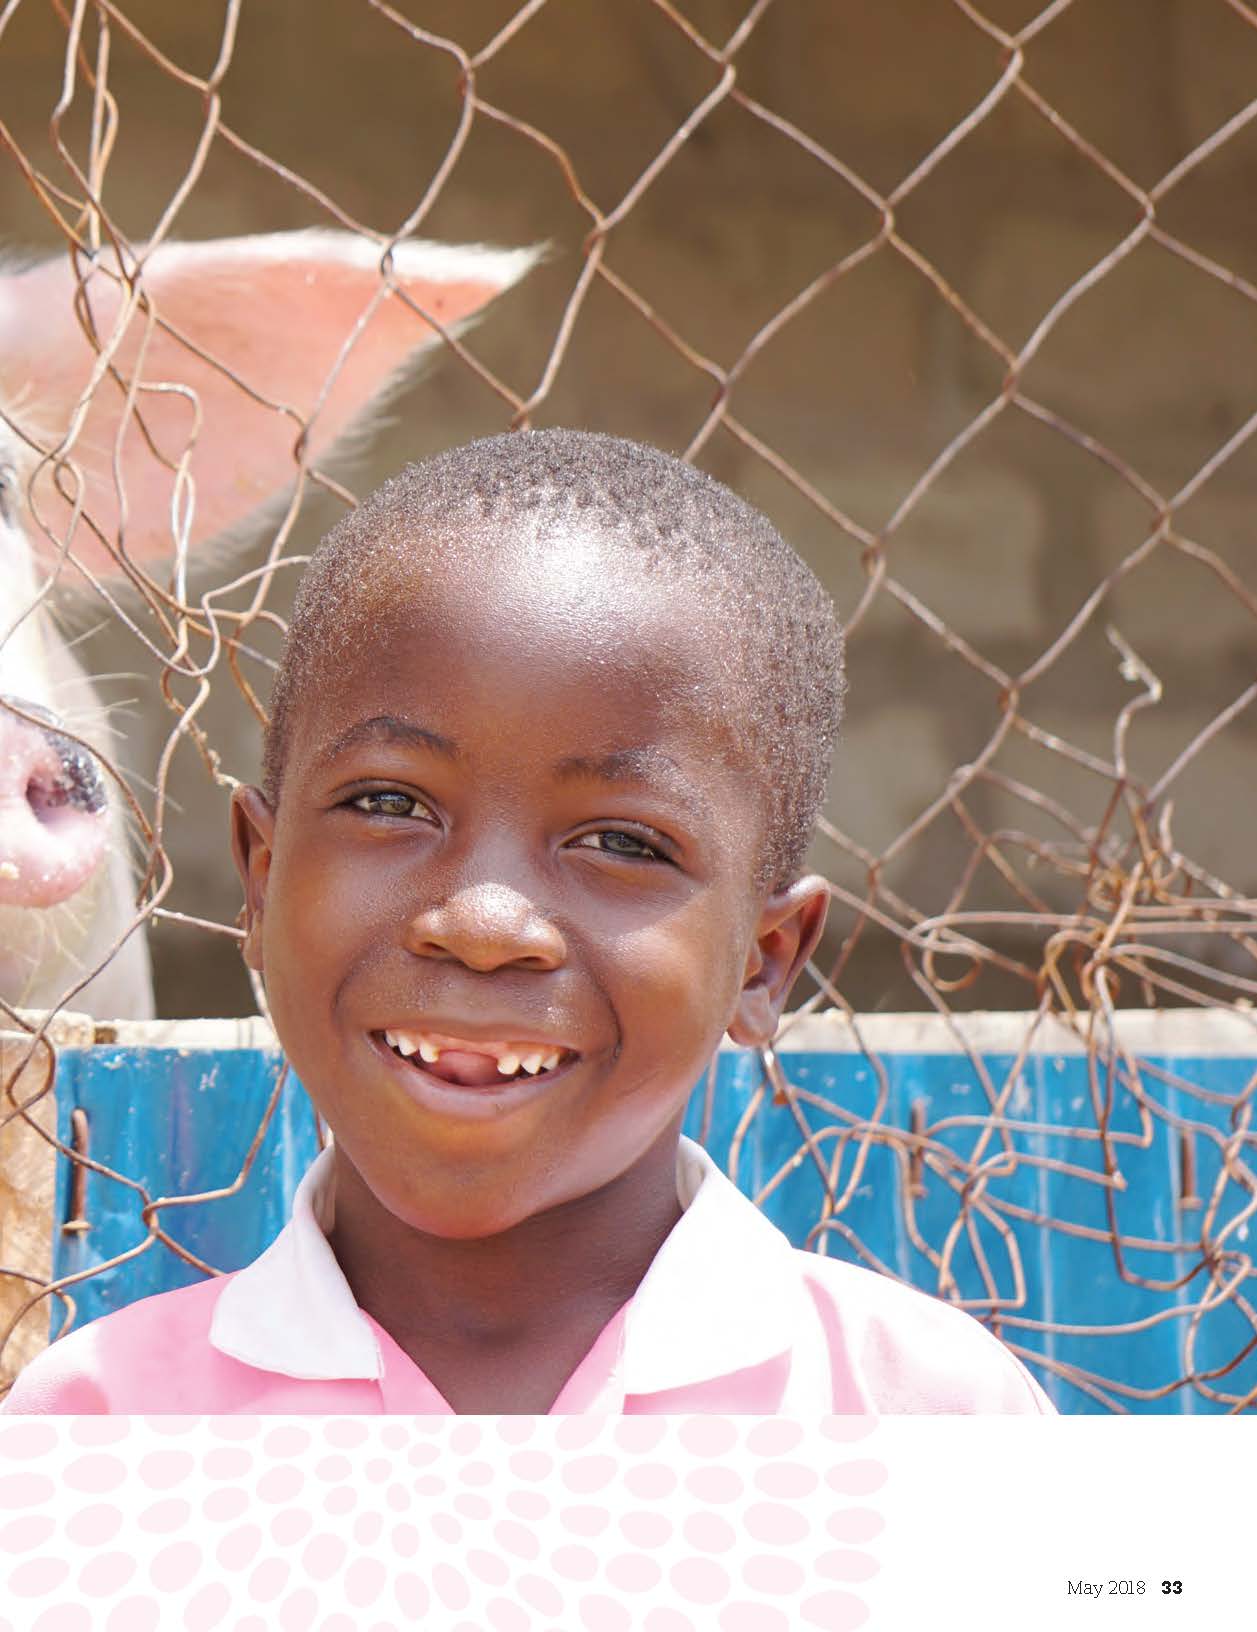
540 1291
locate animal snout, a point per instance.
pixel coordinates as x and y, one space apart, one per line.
52 808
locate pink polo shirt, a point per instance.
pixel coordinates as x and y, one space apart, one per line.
729 1318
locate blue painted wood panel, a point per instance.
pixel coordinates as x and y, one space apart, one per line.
176 1121
180 1120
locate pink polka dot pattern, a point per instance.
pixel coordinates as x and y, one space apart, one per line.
667 1620
576 1563
708 1436
166 1517
25 1534
24 1441
663 1524
709 1533
602 1614
857 1478
700 1580
832 1611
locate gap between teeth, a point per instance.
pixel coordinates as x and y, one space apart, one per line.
508 1063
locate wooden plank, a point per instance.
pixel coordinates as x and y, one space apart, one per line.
28 1178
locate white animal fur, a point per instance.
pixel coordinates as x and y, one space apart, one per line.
280 304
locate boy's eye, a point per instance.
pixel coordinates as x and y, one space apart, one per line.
388 802
615 841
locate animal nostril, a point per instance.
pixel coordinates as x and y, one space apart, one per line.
81 783
78 782
45 796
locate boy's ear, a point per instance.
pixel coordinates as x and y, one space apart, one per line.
252 841
790 925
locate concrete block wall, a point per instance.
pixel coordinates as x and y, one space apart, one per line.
859 393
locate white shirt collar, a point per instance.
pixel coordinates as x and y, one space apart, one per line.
723 1293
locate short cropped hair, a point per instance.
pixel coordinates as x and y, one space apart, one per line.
775 634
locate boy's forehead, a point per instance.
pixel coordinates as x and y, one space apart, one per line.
531 548
579 609
591 587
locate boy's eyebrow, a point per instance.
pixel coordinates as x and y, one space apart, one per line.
648 766
388 728
645 766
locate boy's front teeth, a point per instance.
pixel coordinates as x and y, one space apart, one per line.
510 1058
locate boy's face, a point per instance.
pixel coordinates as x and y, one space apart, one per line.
506 822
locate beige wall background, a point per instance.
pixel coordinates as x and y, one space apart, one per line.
1151 370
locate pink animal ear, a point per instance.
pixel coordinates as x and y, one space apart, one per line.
277 312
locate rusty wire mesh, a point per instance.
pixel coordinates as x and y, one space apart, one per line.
1045 872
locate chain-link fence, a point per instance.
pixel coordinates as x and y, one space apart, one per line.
962 296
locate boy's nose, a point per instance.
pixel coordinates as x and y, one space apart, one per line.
486 926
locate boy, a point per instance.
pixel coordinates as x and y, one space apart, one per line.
552 727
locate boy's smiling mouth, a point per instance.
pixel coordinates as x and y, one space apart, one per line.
478 1063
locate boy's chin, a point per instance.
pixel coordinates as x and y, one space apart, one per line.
429 1196
481 1211
464 1221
